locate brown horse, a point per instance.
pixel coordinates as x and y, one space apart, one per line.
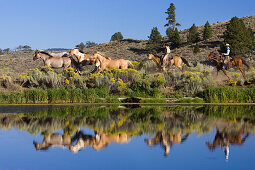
105 63
56 61
235 62
176 60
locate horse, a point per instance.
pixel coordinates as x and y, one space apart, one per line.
57 61
83 59
108 63
235 62
176 60
80 56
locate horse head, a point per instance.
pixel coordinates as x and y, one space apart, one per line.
150 56
36 56
211 55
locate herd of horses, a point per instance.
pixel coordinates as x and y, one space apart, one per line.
101 62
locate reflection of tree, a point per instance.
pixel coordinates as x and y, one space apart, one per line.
224 138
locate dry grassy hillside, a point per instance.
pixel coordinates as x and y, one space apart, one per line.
133 49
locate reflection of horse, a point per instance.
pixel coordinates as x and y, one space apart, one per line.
53 140
165 139
224 138
57 61
107 63
99 141
176 60
235 62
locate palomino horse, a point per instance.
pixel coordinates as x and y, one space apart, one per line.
107 63
167 139
236 62
98 142
56 61
176 60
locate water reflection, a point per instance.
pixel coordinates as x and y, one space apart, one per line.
164 126
225 137
167 139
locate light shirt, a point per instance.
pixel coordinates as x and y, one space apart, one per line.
168 49
228 51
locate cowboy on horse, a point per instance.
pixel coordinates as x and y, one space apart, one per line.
166 57
226 58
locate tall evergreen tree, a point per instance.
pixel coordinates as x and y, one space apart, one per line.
171 17
196 49
173 36
155 41
238 36
117 36
207 31
193 35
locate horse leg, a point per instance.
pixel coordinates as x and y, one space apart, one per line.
242 71
224 71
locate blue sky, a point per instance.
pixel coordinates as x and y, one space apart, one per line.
65 23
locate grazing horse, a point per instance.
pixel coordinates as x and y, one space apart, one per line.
97 142
235 62
107 63
176 60
56 61
165 139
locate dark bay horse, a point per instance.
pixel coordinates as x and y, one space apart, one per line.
235 62
176 60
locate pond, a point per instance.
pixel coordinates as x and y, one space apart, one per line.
127 137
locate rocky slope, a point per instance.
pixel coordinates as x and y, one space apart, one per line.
133 49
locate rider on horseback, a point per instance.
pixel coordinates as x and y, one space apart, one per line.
226 57
167 56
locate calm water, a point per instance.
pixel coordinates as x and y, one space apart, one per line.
112 137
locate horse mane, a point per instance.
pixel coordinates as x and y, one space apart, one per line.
46 53
103 55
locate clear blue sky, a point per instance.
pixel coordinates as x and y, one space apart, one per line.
65 23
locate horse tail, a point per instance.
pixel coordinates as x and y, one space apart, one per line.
130 65
245 63
185 62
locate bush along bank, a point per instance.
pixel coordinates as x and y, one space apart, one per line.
44 85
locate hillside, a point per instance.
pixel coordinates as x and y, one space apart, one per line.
133 49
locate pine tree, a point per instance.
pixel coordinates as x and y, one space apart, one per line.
196 49
174 37
171 17
81 46
207 31
154 43
238 36
193 35
117 36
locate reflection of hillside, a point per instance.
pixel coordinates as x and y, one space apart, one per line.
112 120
